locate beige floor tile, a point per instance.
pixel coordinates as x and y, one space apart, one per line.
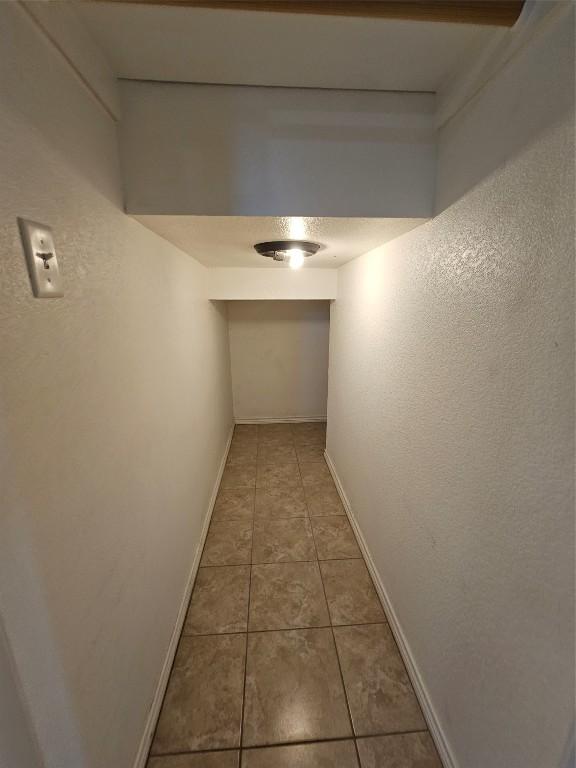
276 454
244 444
275 443
274 430
245 431
236 504
280 541
293 688
351 596
287 596
327 754
242 476
228 543
244 439
239 455
379 692
228 759
219 601
309 453
202 708
323 500
279 476
402 750
309 428
280 502
315 473
312 439
334 538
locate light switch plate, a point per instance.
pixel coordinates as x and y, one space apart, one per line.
41 259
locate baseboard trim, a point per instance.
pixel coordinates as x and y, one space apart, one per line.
420 689
277 420
154 713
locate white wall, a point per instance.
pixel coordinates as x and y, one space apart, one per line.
233 283
226 150
18 748
450 418
115 407
279 358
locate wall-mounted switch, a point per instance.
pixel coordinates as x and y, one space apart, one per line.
41 259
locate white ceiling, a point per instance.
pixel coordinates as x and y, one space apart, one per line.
228 241
299 50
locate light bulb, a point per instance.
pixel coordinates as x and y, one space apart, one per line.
296 258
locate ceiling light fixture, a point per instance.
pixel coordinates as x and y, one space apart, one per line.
292 251
296 258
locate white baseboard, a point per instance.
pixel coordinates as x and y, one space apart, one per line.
154 713
420 689
279 420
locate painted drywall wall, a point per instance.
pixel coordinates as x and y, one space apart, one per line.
511 95
243 151
231 283
62 24
18 748
279 358
115 407
450 420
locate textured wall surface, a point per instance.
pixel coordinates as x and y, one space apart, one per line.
279 358
450 423
115 407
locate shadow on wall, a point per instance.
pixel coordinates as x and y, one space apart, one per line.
17 743
19 746
55 107
470 150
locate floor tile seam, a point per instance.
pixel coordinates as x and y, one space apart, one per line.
274 562
298 743
275 744
181 635
351 722
372 624
348 707
283 629
243 705
259 517
256 486
392 733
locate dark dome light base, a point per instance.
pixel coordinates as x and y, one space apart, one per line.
279 250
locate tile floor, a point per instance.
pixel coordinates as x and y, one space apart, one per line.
286 659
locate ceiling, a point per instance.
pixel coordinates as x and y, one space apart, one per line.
199 45
228 241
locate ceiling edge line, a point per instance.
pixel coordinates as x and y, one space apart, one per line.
92 90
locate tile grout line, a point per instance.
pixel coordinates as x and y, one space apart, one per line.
280 562
365 553
334 644
243 707
150 755
287 629
274 744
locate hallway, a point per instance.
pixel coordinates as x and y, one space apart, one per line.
285 648
287 389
